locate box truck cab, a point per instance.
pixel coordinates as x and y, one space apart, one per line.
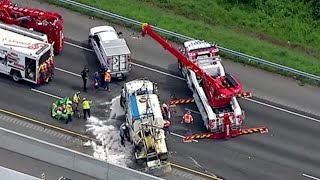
112 51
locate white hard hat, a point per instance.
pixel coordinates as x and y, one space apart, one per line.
109 71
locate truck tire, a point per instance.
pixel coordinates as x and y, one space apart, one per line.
164 157
140 161
16 75
121 102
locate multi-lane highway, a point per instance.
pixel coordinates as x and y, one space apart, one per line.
288 151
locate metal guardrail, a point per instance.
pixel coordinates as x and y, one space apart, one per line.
185 38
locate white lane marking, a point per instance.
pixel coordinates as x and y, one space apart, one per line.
192 110
68 72
178 135
311 177
47 94
258 102
135 64
77 46
283 110
160 72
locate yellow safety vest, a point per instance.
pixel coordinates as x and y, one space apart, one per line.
76 98
86 104
69 109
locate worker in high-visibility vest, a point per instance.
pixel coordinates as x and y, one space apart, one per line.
188 120
69 112
86 106
107 80
75 100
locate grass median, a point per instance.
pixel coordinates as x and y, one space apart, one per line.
232 38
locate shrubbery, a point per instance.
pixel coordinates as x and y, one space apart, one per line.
296 21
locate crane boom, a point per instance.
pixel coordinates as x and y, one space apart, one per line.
217 90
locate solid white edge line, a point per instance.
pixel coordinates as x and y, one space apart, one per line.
167 74
178 135
45 93
311 177
284 110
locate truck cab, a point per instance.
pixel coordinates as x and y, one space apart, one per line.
112 51
205 56
145 121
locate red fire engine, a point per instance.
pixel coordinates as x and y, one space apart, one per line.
48 23
214 93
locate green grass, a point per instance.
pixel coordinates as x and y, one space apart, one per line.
231 27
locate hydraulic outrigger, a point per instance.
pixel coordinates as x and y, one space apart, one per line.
217 93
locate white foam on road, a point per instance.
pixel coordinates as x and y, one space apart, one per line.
111 149
116 109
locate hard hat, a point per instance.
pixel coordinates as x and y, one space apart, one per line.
78 92
189 112
109 71
84 99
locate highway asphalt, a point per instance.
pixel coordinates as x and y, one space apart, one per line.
289 150
268 86
36 167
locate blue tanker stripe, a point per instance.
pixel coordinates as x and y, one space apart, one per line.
134 107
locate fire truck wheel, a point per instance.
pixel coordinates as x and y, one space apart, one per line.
16 76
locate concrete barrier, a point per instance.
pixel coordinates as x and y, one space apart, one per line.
67 158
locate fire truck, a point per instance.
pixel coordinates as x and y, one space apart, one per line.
214 90
48 23
23 57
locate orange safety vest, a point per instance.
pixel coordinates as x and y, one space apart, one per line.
51 62
48 64
187 118
107 77
44 67
41 69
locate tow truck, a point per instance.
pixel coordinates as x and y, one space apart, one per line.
145 122
214 90
49 23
